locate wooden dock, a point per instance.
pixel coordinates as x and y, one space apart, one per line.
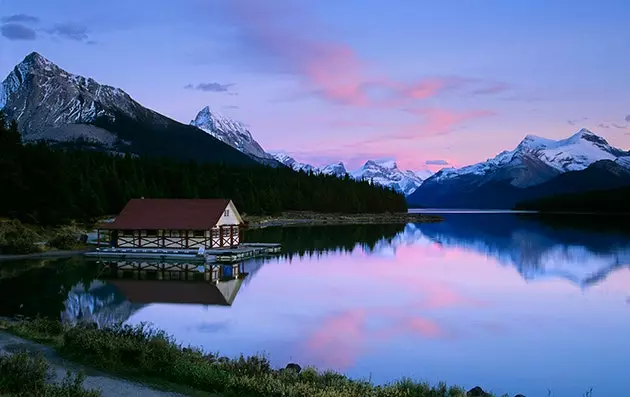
216 255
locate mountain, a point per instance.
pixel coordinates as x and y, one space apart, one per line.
233 133
337 169
388 174
290 162
54 105
385 173
537 167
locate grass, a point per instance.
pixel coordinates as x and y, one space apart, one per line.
22 374
152 356
18 238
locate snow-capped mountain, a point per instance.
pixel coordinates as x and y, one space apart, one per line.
571 154
521 173
229 131
387 173
383 172
42 97
52 104
338 170
290 162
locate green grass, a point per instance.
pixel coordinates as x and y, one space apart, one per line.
153 357
22 374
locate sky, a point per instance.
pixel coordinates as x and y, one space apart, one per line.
427 83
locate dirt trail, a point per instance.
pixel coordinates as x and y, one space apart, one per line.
109 385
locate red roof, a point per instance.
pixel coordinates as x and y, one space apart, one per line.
169 214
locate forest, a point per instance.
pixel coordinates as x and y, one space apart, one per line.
49 185
596 201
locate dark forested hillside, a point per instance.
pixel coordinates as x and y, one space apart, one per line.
600 201
49 185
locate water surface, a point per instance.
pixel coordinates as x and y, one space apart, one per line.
509 302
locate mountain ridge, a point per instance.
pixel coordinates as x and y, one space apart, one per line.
525 173
53 105
233 133
381 172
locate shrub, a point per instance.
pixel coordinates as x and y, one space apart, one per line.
64 240
15 238
25 375
148 353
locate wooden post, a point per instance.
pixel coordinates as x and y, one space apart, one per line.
221 236
98 238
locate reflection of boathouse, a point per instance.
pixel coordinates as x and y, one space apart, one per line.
180 283
176 224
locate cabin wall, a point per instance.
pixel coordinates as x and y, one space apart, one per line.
225 236
232 217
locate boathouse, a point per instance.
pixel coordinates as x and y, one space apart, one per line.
176 224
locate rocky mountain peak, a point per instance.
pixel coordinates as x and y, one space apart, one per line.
229 131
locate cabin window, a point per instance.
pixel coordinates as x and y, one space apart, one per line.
152 233
127 233
227 213
215 232
198 233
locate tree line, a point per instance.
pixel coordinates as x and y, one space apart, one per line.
49 185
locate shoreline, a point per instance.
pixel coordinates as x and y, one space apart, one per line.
308 218
214 375
45 254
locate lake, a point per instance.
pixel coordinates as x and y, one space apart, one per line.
510 302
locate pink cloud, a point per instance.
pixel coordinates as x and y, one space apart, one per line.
329 68
438 121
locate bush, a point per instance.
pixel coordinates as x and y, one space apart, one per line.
147 353
64 240
25 375
15 238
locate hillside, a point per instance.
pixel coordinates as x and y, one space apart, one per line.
598 201
53 105
50 185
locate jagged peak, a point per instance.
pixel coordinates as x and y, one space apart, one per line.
35 60
587 135
209 116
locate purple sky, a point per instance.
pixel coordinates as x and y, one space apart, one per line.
452 81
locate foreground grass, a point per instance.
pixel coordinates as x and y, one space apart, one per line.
31 376
152 356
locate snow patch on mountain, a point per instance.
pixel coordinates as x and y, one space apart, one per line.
338 169
571 154
381 172
387 173
229 131
39 95
290 162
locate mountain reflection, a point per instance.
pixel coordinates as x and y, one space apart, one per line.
76 290
582 253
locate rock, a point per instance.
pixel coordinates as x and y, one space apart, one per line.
294 367
477 392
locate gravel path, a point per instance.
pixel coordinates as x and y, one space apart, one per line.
109 385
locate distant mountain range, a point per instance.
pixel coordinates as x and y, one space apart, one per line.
536 168
51 104
381 172
61 108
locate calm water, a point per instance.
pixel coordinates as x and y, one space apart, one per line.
504 301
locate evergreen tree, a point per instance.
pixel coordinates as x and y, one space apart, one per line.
53 184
